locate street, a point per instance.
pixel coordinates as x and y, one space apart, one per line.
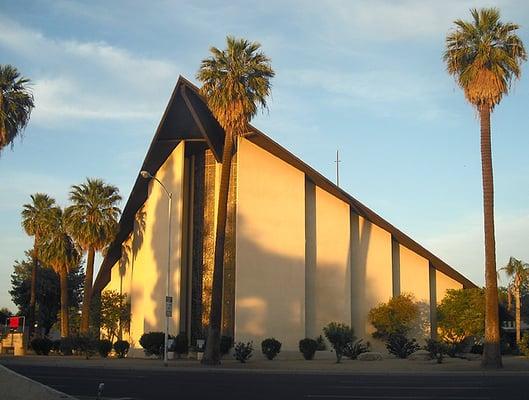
160 384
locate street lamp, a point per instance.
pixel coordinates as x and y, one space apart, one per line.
168 299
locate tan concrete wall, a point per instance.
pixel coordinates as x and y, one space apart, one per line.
332 297
414 279
270 245
149 252
371 272
443 283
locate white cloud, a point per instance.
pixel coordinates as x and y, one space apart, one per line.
388 92
88 80
387 20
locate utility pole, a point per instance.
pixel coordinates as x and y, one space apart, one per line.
337 161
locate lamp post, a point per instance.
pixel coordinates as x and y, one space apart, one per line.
168 298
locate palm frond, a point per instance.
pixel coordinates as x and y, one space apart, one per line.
484 56
16 104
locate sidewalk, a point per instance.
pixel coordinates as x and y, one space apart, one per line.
17 387
284 364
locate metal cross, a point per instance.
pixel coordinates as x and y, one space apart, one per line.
337 161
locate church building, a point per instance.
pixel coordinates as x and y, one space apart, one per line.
300 251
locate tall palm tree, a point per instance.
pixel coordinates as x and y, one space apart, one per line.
92 221
16 103
236 82
518 271
58 250
35 220
484 56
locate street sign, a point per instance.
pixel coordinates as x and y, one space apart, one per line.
168 306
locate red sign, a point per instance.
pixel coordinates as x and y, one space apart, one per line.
15 322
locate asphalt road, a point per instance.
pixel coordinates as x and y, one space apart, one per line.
173 384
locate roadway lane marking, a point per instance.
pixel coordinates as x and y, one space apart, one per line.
345 396
412 387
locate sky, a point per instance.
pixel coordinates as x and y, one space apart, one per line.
364 77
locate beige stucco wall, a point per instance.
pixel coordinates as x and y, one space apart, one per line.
148 260
332 297
371 272
414 279
270 245
443 283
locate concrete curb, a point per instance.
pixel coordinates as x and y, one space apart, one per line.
19 387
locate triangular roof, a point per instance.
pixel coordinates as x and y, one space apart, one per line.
187 117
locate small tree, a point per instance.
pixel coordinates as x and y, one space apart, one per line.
397 316
461 315
339 335
4 315
114 317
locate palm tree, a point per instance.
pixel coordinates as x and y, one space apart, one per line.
92 221
35 219
58 250
484 56
236 82
518 271
16 103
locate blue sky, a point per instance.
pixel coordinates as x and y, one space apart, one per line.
364 77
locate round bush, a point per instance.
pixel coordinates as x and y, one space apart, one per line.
41 345
104 347
180 344
243 351
66 345
271 348
121 347
153 343
308 347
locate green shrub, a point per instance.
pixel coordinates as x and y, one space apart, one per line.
41 345
394 317
104 347
121 347
243 351
461 315
56 346
85 345
308 347
67 345
321 344
180 344
354 348
226 343
339 335
153 343
271 348
400 346
524 344
437 349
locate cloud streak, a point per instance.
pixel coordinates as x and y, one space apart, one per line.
88 80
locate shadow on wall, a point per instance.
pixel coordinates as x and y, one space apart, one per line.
154 304
270 291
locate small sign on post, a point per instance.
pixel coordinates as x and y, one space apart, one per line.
168 306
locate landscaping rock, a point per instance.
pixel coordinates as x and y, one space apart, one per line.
370 356
420 355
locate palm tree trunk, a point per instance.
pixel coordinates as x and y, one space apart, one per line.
517 300
491 349
212 352
87 297
33 295
64 302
